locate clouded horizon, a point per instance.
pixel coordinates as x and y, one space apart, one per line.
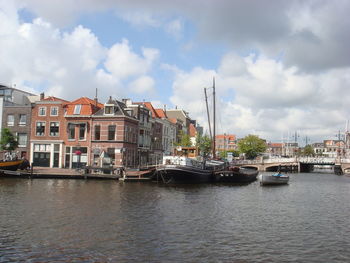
280 66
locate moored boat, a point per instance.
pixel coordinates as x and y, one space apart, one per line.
274 179
236 175
182 170
11 165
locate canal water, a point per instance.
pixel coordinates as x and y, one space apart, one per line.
106 221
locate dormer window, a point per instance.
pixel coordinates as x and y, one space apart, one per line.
109 109
77 109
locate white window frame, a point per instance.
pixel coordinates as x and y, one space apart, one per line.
22 123
44 111
56 108
26 136
77 109
11 123
54 126
36 125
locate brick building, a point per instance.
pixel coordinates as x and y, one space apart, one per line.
77 135
115 135
15 114
47 132
225 142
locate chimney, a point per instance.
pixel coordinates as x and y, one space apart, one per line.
96 100
42 96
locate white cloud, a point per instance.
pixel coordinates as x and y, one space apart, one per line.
175 28
142 85
267 98
40 57
141 19
312 35
124 63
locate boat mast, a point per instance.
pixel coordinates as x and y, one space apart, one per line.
206 103
214 130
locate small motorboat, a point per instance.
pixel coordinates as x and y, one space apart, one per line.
273 179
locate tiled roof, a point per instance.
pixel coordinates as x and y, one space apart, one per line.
173 120
161 113
88 106
150 107
227 136
275 144
52 98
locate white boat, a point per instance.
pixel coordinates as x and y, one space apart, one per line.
273 179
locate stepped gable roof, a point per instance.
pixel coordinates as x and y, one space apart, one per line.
88 106
193 130
161 113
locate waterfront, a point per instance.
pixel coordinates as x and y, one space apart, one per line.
107 221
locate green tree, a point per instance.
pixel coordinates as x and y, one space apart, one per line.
204 144
184 140
251 146
8 142
308 150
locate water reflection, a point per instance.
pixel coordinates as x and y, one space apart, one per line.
104 221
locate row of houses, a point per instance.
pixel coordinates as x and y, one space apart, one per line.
53 132
327 148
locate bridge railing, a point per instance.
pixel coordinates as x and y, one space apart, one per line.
311 160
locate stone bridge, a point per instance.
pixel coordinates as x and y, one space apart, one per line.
301 164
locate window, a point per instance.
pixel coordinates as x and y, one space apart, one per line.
42 111
111 132
109 109
10 120
82 127
22 119
40 128
22 139
54 111
77 109
54 128
97 132
71 131
111 153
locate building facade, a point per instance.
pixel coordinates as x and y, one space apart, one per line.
47 132
115 135
77 138
15 114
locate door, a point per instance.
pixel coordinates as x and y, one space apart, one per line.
41 159
56 159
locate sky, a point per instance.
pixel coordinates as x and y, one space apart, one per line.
281 68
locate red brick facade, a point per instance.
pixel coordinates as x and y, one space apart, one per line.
47 130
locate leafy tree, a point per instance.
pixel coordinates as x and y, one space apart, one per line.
185 140
251 146
8 142
204 144
308 150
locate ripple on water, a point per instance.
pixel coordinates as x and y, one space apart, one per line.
95 221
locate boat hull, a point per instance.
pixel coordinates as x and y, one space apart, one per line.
182 174
241 176
10 165
273 179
